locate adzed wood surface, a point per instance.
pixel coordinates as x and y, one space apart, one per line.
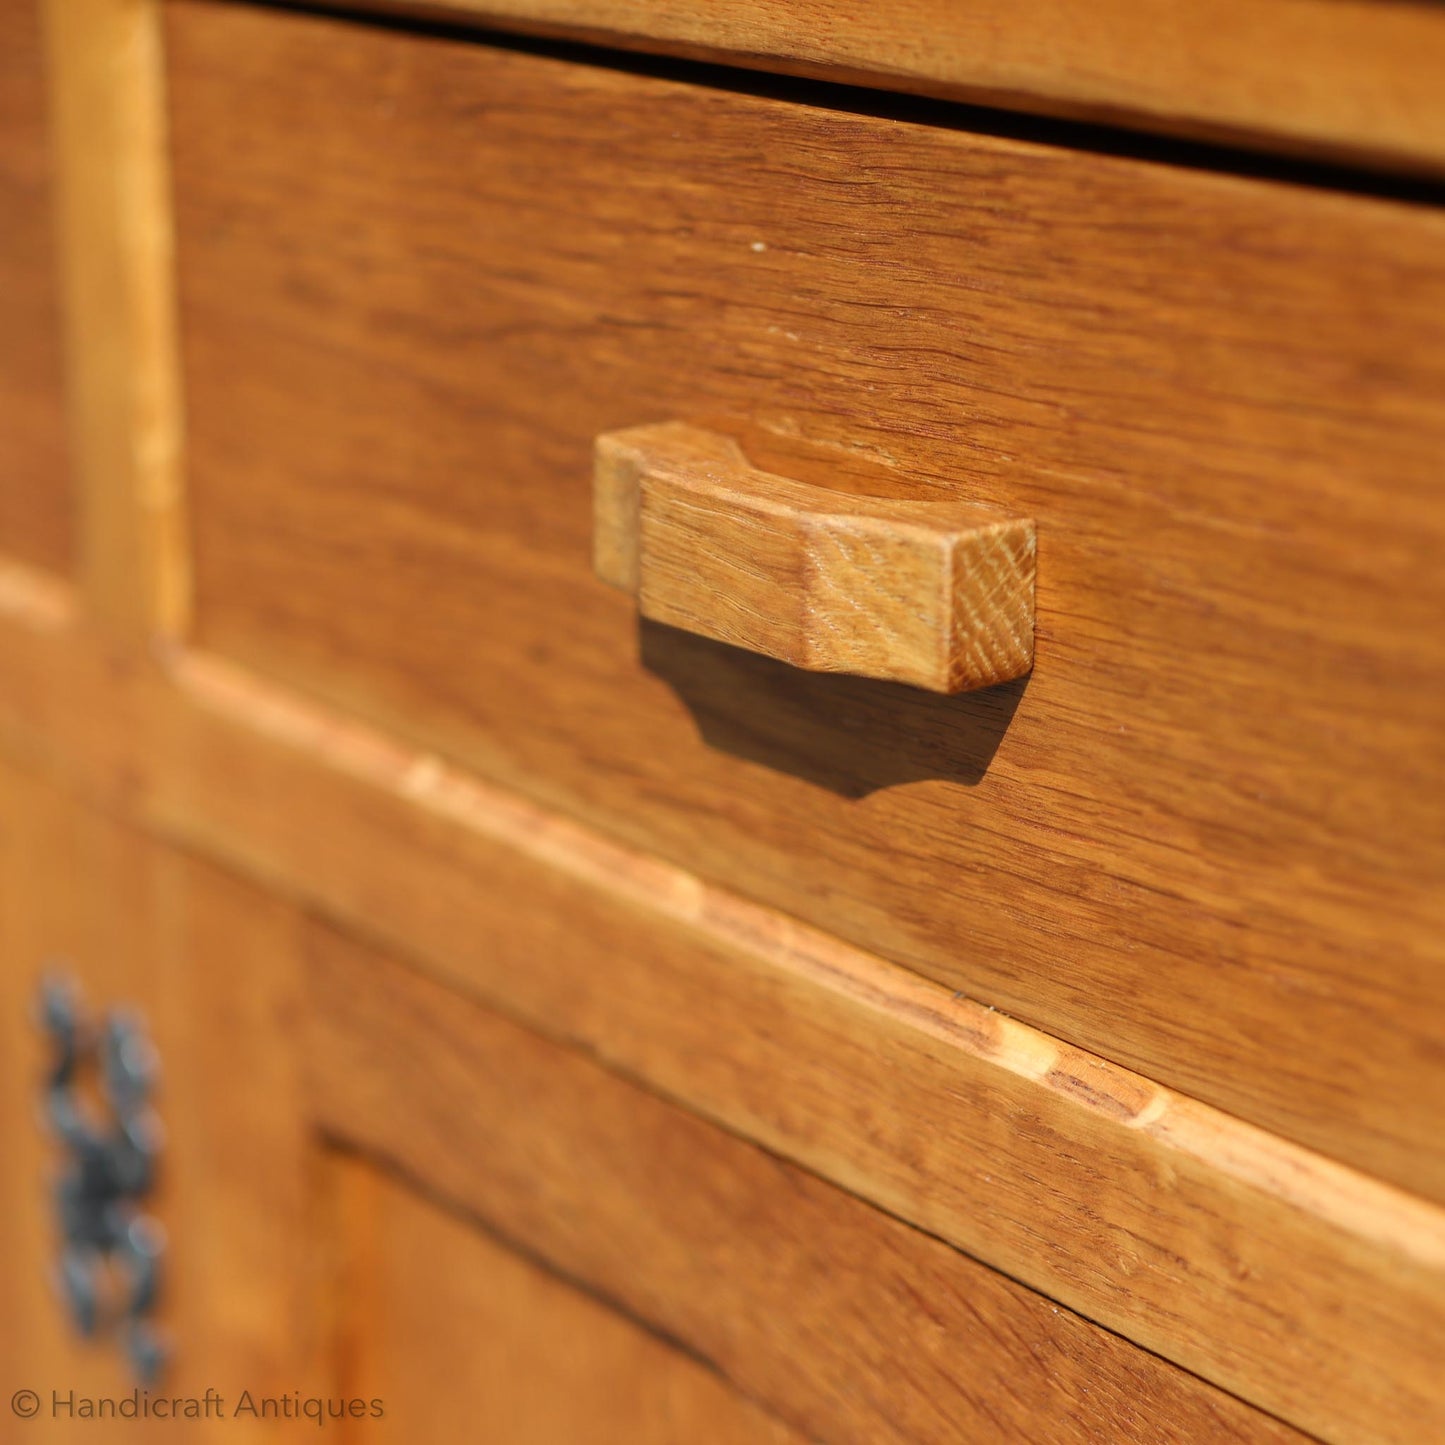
36 518
1353 79
853 1326
1150 1213
936 594
1204 839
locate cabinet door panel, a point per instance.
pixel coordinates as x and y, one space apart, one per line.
61 878
209 964
296 1276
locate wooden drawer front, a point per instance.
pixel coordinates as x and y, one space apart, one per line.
1204 838
35 521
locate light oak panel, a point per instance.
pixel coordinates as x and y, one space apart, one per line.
36 521
1352 79
460 1337
1148 1212
1204 839
853 1326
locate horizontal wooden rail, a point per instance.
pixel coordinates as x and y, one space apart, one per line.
855 1328
1297 1283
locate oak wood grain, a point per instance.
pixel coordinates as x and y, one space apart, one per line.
462 1337
106 80
48 845
1148 1212
1353 79
248 1269
253 1278
36 519
211 966
850 1324
1204 840
936 594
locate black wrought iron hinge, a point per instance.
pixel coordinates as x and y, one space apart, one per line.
110 1250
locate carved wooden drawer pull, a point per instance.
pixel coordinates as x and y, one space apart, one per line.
939 594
